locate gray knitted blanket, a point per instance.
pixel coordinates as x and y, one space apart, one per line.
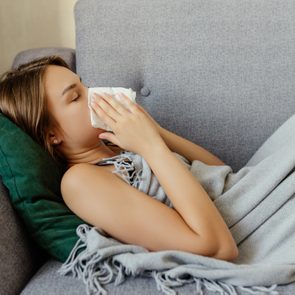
257 203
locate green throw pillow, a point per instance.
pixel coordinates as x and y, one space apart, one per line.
33 180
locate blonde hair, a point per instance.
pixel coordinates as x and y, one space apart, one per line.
22 100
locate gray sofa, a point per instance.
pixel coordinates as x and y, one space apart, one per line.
220 73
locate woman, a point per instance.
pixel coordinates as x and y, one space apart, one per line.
49 101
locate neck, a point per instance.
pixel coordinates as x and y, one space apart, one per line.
90 155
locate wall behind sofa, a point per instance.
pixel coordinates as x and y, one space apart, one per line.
28 24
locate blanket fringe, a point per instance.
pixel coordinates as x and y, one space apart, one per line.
96 270
164 283
123 165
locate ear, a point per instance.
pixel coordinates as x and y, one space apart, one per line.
54 138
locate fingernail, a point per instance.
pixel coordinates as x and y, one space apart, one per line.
118 96
92 98
97 96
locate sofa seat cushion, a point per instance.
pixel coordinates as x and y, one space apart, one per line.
48 282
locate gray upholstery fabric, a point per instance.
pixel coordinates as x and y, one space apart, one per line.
48 282
220 73
68 54
230 62
18 255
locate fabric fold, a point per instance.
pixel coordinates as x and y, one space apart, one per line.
257 204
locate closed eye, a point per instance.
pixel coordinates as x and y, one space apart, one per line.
76 98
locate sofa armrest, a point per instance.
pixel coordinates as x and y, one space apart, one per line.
68 54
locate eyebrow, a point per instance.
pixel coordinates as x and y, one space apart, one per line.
70 87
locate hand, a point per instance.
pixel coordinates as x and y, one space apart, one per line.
153 121
133 128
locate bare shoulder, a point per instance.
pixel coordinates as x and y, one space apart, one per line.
74 170
79 175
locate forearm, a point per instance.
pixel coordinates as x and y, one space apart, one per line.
188 149
188 196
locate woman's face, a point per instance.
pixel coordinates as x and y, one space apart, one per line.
67 102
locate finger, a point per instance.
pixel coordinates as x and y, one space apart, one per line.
130 104
142 108
103 102
102 114
109 136
116 103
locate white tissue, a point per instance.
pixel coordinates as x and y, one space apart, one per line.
96 122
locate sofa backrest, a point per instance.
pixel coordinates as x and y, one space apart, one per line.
220 73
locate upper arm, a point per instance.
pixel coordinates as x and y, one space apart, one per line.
127 214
